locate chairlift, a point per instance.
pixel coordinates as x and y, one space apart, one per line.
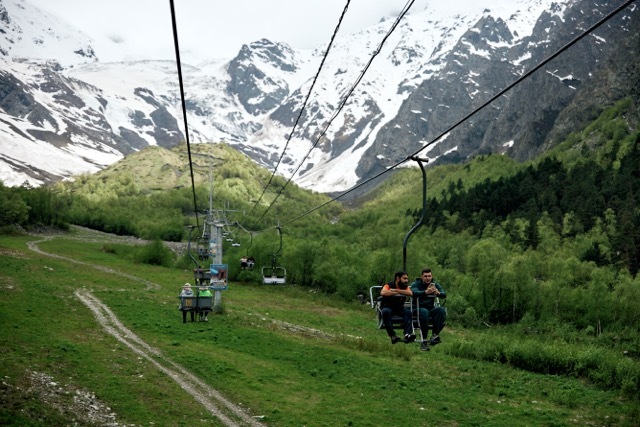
202 249
397 321
275 274
374 292
251 262
199 303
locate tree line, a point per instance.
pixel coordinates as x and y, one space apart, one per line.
556 242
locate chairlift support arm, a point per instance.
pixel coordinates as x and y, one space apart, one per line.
421 162
274 260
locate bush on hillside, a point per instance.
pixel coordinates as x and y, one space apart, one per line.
155 253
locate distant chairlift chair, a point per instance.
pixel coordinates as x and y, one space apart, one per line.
196 304
275 274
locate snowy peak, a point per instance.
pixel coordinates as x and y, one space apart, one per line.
258 75
28 32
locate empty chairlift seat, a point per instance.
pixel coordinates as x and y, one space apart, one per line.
274 275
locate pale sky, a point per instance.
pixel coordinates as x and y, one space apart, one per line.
209 29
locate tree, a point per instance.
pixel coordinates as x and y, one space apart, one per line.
13 210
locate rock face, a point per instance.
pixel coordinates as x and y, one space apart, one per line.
536 114
371 106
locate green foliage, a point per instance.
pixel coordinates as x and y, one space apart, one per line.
13 210
152 253
556 239
297 356
155 253
597 364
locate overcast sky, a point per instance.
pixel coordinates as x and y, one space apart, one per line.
215 28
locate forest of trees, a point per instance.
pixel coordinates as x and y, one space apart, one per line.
575 200
556 241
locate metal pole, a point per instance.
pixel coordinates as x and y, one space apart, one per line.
424 210
216 228
215 242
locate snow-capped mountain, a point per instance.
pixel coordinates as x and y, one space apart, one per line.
63 111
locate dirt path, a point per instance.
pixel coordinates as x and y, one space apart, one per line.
227 412
34 247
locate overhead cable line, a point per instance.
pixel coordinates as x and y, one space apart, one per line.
343 102
184 107
502 92
335 31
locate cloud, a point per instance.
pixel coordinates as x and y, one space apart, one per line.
210 29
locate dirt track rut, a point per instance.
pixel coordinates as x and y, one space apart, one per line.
226 411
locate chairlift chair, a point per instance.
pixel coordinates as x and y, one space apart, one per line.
196 304
275 274
374 292
187 305
398 322
250 260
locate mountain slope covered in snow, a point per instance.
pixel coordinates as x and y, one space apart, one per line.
64 112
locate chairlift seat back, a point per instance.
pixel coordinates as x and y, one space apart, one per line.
187 303
200 274
205 303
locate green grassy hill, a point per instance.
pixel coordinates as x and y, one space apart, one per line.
283 355
540 262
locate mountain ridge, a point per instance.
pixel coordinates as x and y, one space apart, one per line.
429 75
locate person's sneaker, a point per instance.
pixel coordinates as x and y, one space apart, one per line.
394 339
409 338
435 340
424 346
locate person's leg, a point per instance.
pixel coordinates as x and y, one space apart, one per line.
407 321
386 320
423 317
439 315
387 315
424 322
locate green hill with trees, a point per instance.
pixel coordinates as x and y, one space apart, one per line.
540 260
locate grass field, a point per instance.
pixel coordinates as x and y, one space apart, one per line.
286 356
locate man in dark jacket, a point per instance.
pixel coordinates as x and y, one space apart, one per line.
426 290
394 294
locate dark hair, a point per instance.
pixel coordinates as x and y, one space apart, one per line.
398 275
426 270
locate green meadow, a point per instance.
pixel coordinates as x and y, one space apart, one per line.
286 355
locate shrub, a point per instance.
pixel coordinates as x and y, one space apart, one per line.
598 365
155 253
470 318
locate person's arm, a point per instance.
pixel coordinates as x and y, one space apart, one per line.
415 290
386 291
406 292
441 293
